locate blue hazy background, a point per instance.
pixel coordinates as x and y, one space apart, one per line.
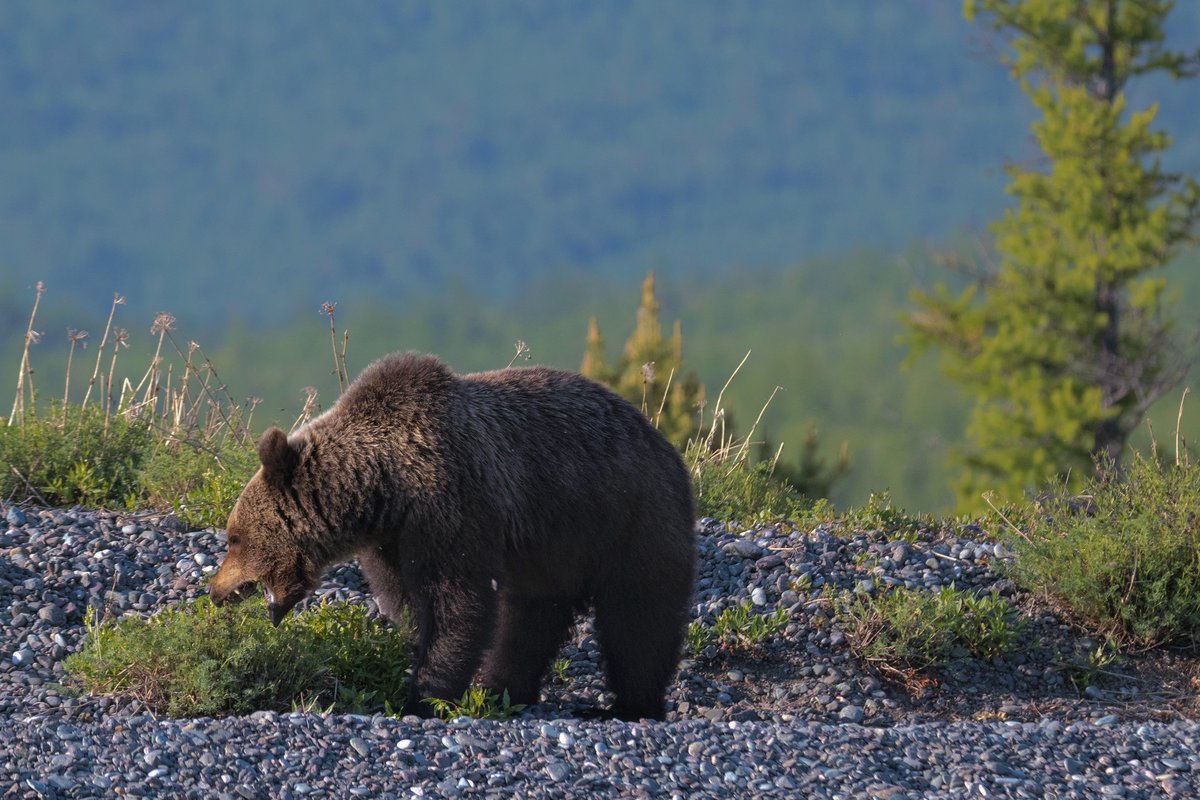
457 176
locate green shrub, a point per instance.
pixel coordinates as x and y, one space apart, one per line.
73 456
175 439
200 660
1124 556
903 629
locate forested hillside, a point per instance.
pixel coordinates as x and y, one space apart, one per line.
457 177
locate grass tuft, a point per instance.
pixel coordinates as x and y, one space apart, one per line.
736 629
476 702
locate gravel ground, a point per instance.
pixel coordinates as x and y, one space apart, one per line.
797 717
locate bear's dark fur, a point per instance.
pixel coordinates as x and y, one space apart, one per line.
494 506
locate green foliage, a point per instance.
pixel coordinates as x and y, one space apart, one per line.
1123 556
201 486
697 638
879 514
729 487
736 629
1068 342
813 474
476 702
72 455
184 446
200 660
650 371
1086 669
675 403
903 630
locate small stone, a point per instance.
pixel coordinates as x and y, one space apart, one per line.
131 529
558 771
1105 721
851 713
360 746
746 548
173 524
695 749
768 562
1174 763
52 614
23 657
15 517
758 596
1073 766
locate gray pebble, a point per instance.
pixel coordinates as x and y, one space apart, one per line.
851 713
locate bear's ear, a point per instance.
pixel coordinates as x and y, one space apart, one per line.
279 459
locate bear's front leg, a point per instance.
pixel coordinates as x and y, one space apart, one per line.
454 627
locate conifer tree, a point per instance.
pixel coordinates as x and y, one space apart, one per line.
650 368
1068 340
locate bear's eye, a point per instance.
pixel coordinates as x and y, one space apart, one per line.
234 539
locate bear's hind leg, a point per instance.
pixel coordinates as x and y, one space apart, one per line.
641 636
529 634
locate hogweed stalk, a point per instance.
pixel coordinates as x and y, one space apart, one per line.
117 300
75 337
339 364
31 338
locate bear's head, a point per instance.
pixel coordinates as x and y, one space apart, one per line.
267 535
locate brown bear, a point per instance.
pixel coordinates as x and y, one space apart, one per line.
494 506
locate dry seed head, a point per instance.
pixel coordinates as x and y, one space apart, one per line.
77 337
163 323
328 307
33 337
121 336
648 372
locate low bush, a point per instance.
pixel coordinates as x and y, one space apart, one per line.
174 440
903 630
200 660
1124 556
69 455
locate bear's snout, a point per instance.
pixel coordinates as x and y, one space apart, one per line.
236 594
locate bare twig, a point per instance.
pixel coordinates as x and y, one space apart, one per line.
1179 423
29 486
